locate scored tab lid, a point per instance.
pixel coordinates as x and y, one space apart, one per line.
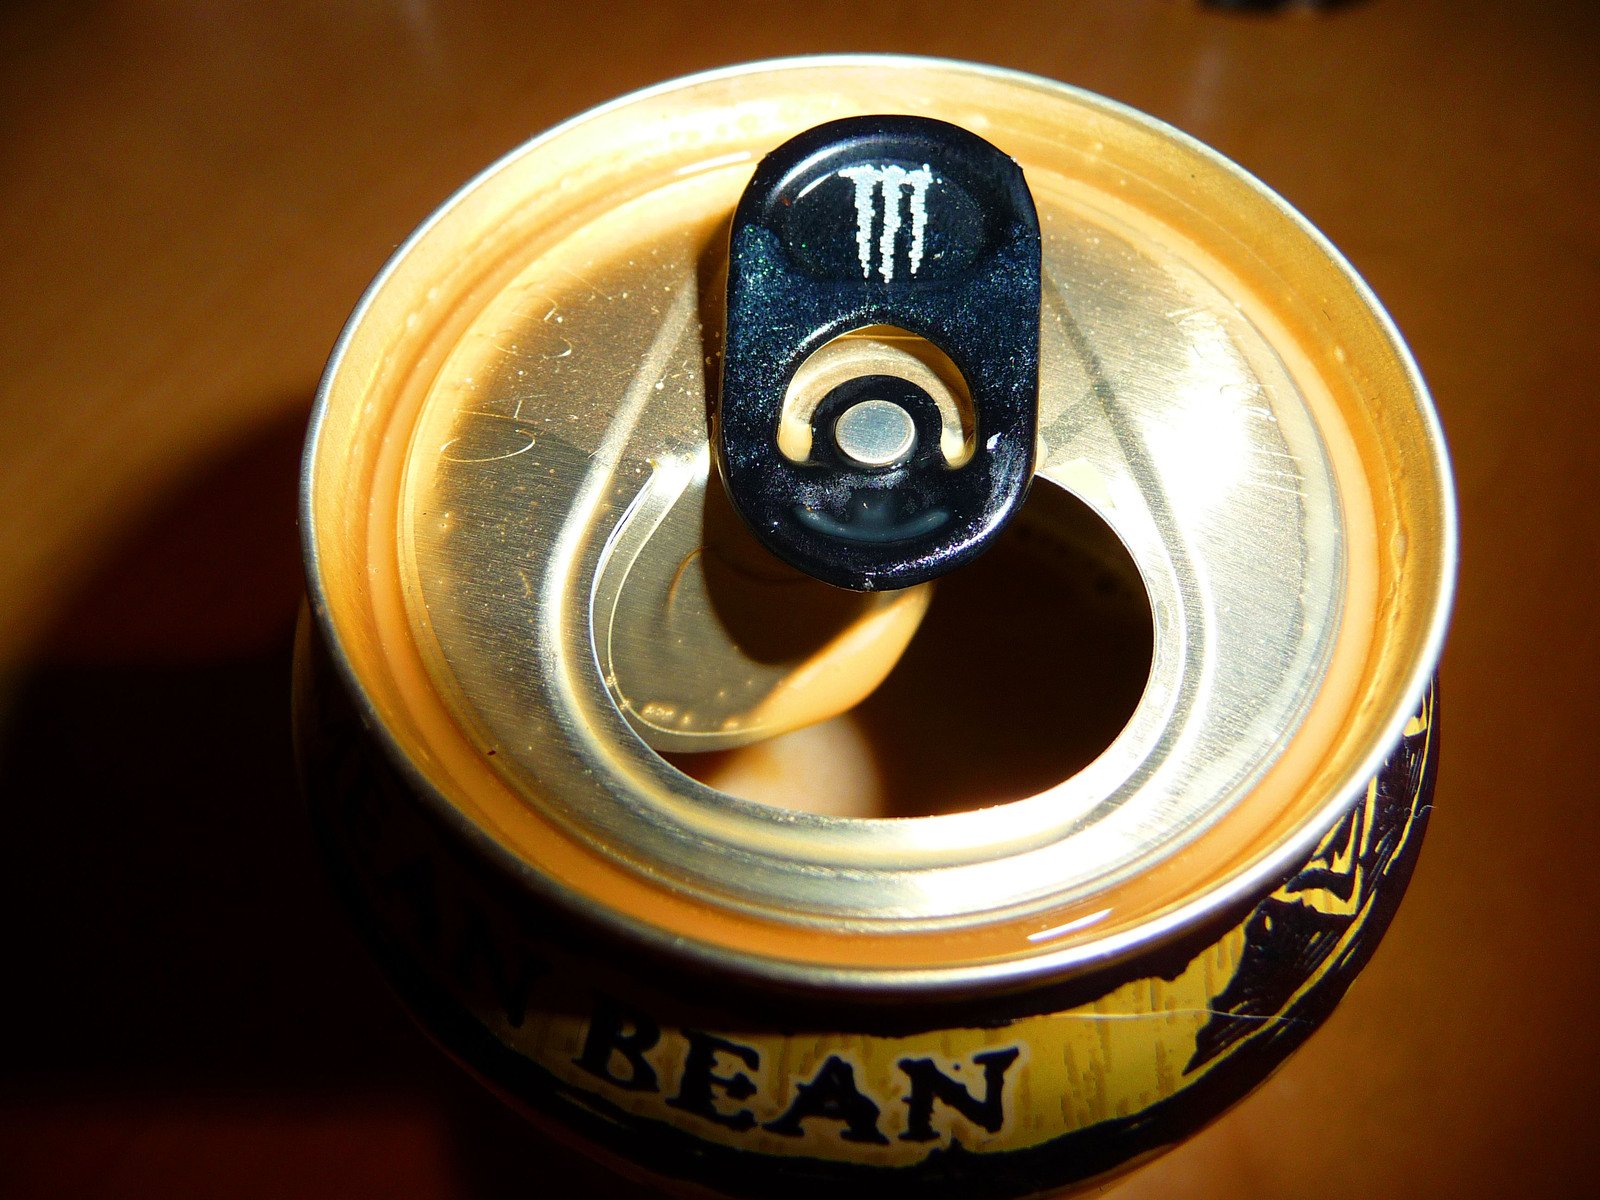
516 414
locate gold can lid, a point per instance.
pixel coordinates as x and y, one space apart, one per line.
520 557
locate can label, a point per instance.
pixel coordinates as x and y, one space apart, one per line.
692 1090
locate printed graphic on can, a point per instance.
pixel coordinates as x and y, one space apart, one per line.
872 625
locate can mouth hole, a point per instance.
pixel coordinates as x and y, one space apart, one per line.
1029 663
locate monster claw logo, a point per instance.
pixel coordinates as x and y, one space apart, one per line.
888 182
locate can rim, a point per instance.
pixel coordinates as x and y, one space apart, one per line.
1247 883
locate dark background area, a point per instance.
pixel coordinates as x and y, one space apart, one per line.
192 198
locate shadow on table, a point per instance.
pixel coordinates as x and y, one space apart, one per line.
175 953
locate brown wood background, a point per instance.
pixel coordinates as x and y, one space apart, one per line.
192 197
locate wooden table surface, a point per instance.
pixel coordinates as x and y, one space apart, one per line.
192 197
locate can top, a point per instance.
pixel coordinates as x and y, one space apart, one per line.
508 488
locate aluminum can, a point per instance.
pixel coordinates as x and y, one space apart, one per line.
986 888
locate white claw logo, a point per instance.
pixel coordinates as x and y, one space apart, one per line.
888 182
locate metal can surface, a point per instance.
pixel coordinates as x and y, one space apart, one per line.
1093 831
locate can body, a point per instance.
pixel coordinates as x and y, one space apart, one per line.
1005 1001
668 1072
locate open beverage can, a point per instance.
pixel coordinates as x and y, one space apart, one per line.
746 854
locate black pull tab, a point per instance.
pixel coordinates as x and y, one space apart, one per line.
891 221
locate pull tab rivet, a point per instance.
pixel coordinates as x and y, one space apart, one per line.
875 433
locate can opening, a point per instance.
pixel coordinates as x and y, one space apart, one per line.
1029 663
